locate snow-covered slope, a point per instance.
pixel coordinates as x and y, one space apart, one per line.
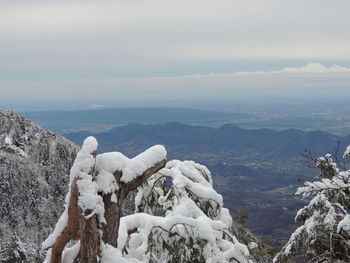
34 168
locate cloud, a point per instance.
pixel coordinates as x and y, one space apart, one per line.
68 35
312 80
315 68
311 68
97 106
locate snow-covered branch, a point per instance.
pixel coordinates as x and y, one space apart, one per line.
181 217
324 235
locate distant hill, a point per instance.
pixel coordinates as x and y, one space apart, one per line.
104 119
228 139
255 169
97 120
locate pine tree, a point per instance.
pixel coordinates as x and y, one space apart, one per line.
325 233
179 216
14 250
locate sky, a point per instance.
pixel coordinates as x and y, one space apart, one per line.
128 52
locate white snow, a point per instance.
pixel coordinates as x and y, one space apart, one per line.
108 163
111 254
252 245
9 143
142 162
202 228
60 225
70 253
344 224
193 208
347 152
111 162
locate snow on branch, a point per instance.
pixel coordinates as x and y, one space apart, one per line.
325 233
138 165
191 219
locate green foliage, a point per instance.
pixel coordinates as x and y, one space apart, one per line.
243 218
174 246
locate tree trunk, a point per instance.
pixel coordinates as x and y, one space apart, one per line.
89 239
71 229
113 212
81 225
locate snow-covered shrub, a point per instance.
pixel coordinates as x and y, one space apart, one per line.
193 226
325 233
179 216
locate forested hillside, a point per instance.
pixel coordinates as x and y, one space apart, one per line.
34 169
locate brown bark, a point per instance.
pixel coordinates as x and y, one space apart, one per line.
146 174
113 211
89 238
71 229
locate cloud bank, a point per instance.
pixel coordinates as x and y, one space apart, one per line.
312 80
84 36
311 68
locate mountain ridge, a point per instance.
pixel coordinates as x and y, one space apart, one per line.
289 142
34 168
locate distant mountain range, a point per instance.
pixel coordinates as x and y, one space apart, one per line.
96 120
228 139
104 119
255 169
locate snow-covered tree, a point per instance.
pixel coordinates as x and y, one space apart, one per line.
179 217
325 233
13 250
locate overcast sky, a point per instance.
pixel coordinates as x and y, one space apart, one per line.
155 49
